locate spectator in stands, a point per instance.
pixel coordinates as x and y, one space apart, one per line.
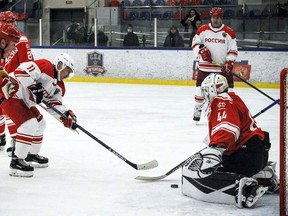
76 32
197 24
173 39
131 39
102 39
189 22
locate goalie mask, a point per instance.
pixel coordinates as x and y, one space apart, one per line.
63 62
213 85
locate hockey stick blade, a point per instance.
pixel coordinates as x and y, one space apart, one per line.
156 178
150 165
150 178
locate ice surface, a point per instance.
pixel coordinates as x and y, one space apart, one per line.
142 123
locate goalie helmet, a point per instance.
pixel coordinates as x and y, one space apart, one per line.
9 32
213 85
62 61
7 17
216 11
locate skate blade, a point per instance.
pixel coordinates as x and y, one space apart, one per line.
19 173
37 165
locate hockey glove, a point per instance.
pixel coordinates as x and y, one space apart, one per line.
205 54
36 93
228 67
9 87
70 120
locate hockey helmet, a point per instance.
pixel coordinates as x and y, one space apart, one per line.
216 11
9 32
62 61
7 17
213 85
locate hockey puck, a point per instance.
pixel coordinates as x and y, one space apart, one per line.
174 185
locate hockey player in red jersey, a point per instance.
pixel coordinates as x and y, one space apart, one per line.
22 51
19 54
226 171
214 44
38 80
9 37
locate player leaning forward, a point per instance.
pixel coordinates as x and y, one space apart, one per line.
234 168
35 81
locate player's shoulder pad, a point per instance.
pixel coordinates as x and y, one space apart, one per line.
229 31
203 28
46 67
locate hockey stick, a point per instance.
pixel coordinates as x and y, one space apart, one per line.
254 87
145 166
266 108
156 178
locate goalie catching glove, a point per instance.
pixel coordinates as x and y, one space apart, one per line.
69 120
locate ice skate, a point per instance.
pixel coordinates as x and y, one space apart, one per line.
11 148
37 161
20 168
197 115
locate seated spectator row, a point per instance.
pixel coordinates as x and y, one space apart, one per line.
178 14
176 2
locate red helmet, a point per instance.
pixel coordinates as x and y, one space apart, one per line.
9 32
216 11
7 17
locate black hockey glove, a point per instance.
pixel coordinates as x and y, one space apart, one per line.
36 92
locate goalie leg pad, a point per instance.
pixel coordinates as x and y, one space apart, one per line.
218 187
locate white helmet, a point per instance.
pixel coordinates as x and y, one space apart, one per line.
62 61
213 85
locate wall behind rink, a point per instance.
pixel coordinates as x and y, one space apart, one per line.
160 64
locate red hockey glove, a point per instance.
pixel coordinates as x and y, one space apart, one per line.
9 87
205 54
36 92
228 67
70 121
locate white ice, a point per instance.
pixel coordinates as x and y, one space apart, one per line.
142 123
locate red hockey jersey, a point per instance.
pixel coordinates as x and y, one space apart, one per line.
230 123
21 53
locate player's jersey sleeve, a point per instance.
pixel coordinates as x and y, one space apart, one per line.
232 49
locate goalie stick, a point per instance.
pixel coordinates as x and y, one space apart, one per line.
144 166
156 178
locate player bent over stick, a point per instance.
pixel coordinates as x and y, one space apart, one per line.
234 168
35 81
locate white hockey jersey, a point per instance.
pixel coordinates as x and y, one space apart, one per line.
220 41
40 71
